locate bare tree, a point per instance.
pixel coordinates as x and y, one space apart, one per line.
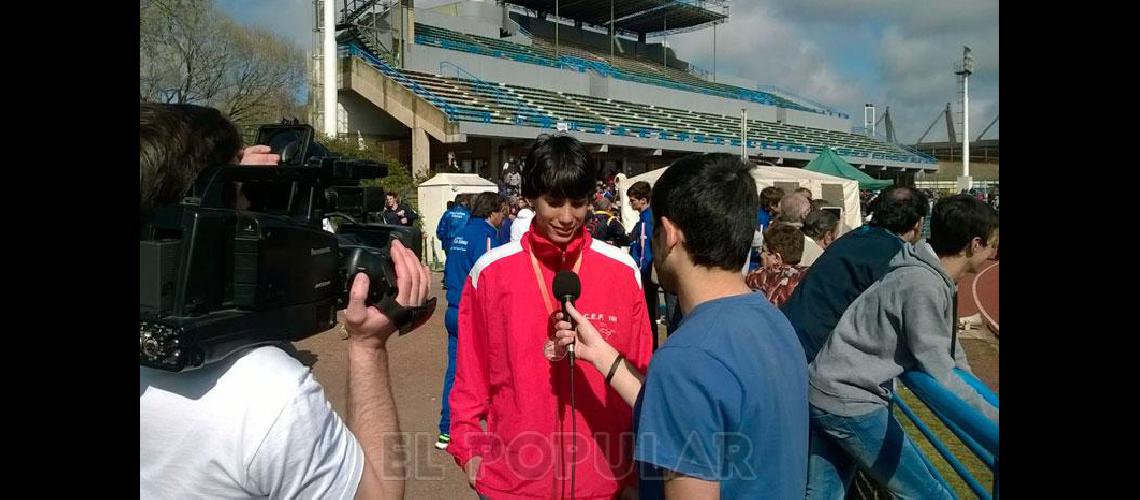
190 53
263 76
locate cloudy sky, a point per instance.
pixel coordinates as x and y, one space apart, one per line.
895 53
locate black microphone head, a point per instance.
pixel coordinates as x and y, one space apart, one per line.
566 284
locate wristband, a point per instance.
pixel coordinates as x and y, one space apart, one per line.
614 367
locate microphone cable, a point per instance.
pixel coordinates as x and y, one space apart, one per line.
573 431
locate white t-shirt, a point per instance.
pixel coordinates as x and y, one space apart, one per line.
521 224
812 251
254 425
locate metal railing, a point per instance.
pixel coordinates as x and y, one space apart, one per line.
520 110
979 434
451 111
825 109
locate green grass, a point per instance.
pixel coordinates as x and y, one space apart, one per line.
978 469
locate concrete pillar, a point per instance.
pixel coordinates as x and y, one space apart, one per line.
497 159
421 153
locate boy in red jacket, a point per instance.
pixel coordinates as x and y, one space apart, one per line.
504 375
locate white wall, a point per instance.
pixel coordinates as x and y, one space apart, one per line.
494 69
471 18
643 93
816 120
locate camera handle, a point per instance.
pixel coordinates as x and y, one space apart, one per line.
382 289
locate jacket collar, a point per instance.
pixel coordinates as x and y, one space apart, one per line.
550 254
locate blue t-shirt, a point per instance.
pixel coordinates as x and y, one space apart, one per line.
726 400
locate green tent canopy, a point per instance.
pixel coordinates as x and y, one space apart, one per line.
828 162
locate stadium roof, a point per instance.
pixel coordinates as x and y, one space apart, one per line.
639 16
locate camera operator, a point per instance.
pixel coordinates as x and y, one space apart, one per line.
257 424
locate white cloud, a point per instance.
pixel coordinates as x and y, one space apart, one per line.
896 53
891 53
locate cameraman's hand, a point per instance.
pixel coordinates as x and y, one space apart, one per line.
367 325
258 154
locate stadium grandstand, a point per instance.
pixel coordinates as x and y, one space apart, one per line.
480 79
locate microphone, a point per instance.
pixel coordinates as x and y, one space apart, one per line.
567 288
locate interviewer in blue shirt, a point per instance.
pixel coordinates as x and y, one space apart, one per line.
723 410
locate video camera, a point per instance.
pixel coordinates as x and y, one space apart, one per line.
243 259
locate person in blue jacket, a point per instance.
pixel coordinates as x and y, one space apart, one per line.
453 220
640 249
477 237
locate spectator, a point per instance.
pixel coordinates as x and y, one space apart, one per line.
822 226
902 322
523 218
397 213
769 206
851 264
794 209
513 177
805 192
603 225
478 237
640 249
508 221
452 221
780 271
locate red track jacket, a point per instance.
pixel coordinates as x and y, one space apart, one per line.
503 377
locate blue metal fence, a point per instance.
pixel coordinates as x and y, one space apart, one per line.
979 434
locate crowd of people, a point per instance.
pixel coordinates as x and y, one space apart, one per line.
785 335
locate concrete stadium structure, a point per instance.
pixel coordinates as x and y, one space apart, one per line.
479 80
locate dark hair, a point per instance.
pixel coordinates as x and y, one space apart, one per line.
601 204
712 199
806 192
177 141
393 194
957 220
819 223
786 240
464 199
818 203
558 166
450 205
898 208
640 190
770 195
485 204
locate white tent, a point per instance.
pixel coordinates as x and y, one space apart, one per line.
433 195
843 193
